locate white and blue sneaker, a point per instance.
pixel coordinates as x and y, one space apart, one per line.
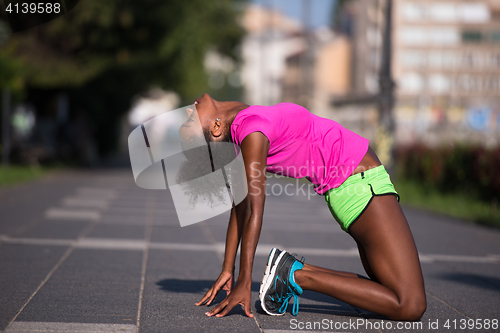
271 259
279 285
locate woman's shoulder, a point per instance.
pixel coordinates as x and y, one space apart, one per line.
270 113
276 108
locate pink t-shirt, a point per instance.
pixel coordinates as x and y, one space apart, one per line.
303 144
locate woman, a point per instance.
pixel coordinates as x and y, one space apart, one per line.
287 139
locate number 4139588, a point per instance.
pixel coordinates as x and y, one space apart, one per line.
476 324
38 8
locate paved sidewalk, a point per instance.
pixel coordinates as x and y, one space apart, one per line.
89 251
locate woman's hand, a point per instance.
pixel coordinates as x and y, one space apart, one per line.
240 295
225 281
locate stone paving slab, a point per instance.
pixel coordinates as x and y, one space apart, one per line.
126 265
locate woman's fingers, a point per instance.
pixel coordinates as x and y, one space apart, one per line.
246 307
208 294
224 307
240 295
217 309
225 311
228 287
203 300
228 307
214 295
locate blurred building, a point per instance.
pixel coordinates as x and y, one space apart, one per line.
154 102
363 23
283 62
445 63
271 38
319 72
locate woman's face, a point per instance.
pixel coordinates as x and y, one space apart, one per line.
199 117
205 105
201 127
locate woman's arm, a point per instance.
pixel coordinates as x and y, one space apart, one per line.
254 148
233 237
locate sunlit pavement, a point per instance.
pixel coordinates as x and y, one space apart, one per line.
89 251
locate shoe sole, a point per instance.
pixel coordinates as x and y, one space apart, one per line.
267 284
267 270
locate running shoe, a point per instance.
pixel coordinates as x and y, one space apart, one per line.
271 259
280 285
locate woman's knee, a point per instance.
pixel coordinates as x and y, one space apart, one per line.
412 309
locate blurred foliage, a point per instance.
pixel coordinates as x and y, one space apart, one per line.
470 170
17 174
162 41
105 52
457 204
12 73
11 68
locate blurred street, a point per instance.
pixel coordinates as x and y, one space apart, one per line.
89 251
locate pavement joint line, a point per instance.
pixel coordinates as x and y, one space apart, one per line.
425 258
58 213
145 257
39 241
96 191
220 254
218 247
353 252
25 227
362 315
295 331
447 304
76 207
54 327
65 256
460 258
84 202
210 237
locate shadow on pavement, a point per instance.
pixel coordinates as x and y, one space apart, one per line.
336 308
192 286
485 282
327 306
200 287
330 306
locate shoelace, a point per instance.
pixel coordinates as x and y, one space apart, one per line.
301 259
295 309
290 294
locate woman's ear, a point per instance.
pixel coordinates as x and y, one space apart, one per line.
216 129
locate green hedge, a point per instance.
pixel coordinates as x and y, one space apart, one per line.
17 174
471 170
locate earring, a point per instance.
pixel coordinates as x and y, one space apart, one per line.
218 119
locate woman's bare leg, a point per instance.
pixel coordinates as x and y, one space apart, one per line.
308 267
390 256
312 268
364 261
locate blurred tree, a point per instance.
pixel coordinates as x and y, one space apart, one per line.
104 52
339 20
11 69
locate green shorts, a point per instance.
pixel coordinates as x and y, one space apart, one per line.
348 201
